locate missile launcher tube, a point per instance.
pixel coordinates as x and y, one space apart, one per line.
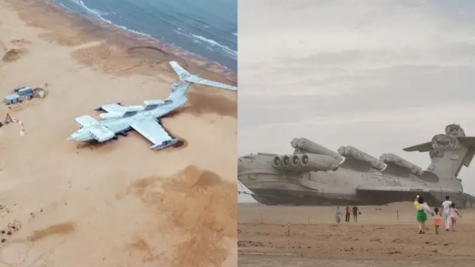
305 163
314 148
349 151
398 161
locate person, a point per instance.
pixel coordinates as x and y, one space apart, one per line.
338 215
421 215
347 214
446 211
355 213
453 218
437 220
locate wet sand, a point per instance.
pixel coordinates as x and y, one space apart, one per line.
120 203
383 236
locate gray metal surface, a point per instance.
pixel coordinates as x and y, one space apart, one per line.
120 119
359 178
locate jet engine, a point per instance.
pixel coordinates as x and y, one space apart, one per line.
395 160
111 115
305 163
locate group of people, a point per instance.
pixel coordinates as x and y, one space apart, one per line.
447 210
348 211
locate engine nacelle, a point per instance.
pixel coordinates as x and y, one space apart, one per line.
305 163
314 148
111 115
398 161
351 152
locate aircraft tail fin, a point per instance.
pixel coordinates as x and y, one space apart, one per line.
185 76
448 152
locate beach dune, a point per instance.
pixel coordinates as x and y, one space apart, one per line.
120 203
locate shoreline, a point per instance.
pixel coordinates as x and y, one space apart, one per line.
190 55
124 39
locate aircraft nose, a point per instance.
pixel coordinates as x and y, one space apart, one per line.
71 137
74 136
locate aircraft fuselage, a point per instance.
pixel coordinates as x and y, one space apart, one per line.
122 124
273 187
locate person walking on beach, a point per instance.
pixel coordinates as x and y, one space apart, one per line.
347 214
453 217
355 213
421 215
446 211
338 215
437 220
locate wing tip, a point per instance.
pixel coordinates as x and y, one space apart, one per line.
164 144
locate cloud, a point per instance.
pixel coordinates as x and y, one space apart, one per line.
378 75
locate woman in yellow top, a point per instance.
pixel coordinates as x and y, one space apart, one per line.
421 215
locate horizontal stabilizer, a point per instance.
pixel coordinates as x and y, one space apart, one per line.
196 79
154 102
467 141
181 72
425 147
186 76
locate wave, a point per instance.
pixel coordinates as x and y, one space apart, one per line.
91 10
228 51
99 14
195 42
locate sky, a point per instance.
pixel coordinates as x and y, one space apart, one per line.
379 75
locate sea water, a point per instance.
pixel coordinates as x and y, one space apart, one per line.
203 27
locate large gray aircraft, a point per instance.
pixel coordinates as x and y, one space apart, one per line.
315 175
120 119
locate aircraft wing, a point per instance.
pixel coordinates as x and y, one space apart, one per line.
425 147
112 108
101 133
154 132
86 121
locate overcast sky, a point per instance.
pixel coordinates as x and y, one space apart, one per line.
378 75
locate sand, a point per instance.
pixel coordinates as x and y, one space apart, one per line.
383 236
118 204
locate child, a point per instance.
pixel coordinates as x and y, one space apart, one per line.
338 215
436 220
453 212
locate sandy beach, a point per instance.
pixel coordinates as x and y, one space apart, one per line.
383 236
118 204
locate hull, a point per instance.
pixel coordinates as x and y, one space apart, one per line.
315 175
339 188
282 197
